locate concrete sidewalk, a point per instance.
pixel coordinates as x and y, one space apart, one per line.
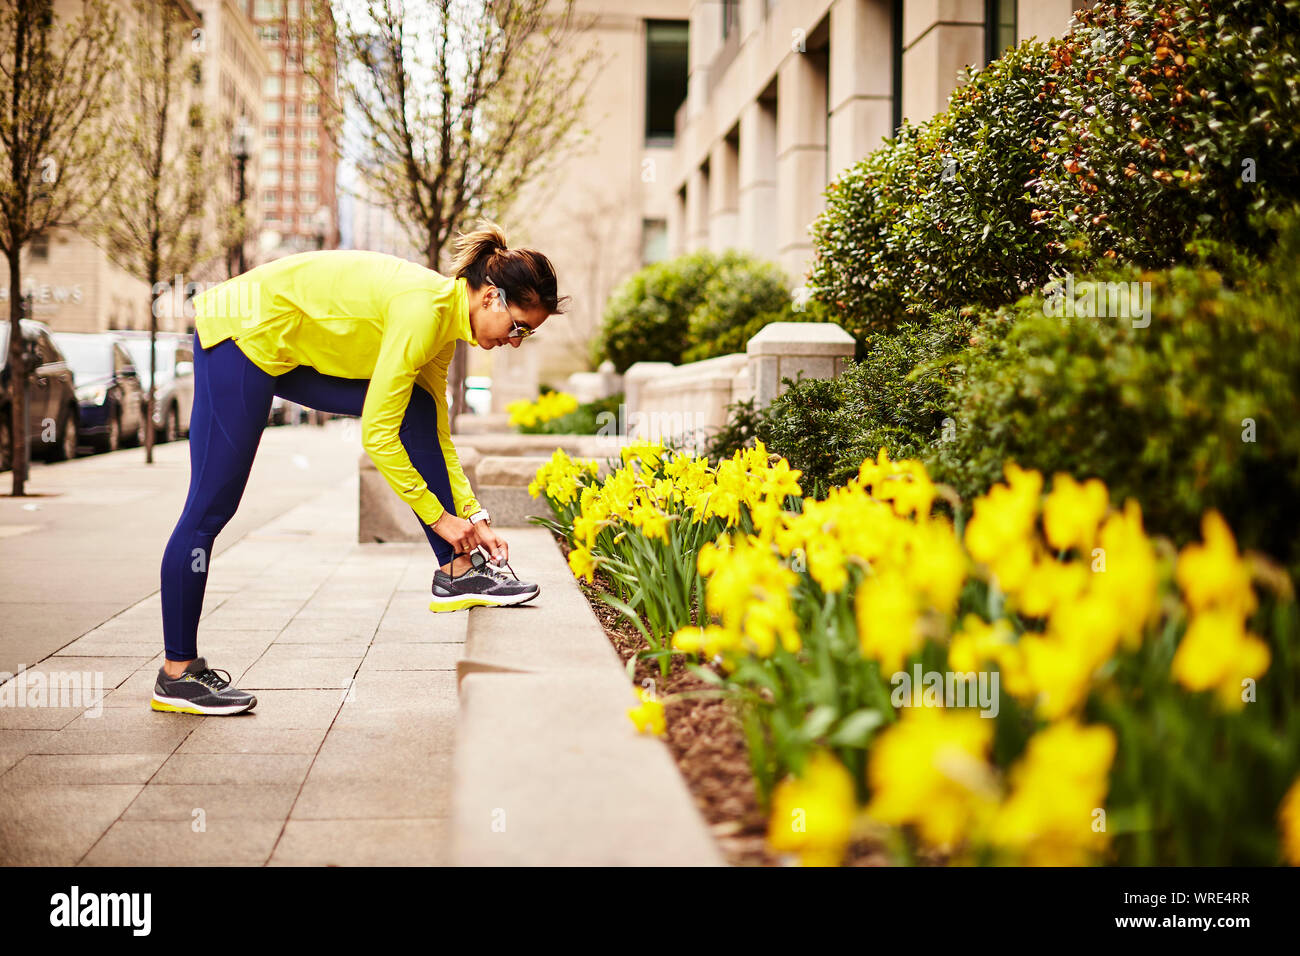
345 759
352 753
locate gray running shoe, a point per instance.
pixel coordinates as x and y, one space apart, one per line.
480 585
200 690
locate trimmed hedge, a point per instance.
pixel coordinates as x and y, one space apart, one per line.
1198 410
1124 141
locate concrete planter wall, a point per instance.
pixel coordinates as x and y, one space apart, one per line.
660 395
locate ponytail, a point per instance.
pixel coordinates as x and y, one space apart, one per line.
524 275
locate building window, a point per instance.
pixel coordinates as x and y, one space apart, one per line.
665 81
308 177
290 132
270 157
730 16
288 178
272 132
272 86
310 109
270 197
999 27
272 110
290 109
290 157
654 240
40 248
308 198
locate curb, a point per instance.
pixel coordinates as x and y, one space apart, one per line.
547 768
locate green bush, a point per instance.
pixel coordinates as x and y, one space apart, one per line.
1123 141
1166 106
741 297
583 420
695 307
1163 414
939 216
896 398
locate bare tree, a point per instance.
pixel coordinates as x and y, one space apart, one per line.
608 255
54 103
159 220
458 104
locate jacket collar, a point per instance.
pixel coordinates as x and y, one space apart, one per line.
460 311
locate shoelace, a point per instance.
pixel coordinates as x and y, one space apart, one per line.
212 679
487 567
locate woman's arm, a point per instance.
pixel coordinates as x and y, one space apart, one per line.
435 379
410 337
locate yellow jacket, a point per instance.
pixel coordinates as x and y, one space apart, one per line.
355 314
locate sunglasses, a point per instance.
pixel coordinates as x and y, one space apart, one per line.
517 328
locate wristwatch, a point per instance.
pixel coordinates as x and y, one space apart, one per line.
480 515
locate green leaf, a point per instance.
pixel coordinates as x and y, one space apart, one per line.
855 729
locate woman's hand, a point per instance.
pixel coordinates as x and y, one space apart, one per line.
495 545
460 533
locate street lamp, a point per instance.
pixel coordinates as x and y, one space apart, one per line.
239 148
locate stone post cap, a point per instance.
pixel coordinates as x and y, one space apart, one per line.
801 338
643 370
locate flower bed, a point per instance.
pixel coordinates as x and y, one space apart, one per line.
1117 678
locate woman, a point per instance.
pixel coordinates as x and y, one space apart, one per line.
353 333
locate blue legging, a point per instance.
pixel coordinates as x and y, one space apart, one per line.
232 398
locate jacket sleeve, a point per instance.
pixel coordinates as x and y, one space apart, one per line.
435 379
408 343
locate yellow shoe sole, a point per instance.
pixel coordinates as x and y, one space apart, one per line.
458 605
472 600
171 708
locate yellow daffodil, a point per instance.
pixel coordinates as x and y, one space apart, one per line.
1073 511
1213 574
1050 817
582 563
931 769
648 716
813 814
1218 654
1289 818
887 613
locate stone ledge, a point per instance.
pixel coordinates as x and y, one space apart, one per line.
548 769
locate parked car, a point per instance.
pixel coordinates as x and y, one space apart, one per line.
108 389
51 398
174 395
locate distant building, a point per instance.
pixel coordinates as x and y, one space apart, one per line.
604 213
719 123
785 96
297 178
76 286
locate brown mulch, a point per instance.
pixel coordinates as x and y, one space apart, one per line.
704 737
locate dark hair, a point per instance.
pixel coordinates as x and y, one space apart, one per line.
524 275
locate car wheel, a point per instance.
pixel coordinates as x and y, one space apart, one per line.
65 445
6 442
112 441
139 432
171 427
